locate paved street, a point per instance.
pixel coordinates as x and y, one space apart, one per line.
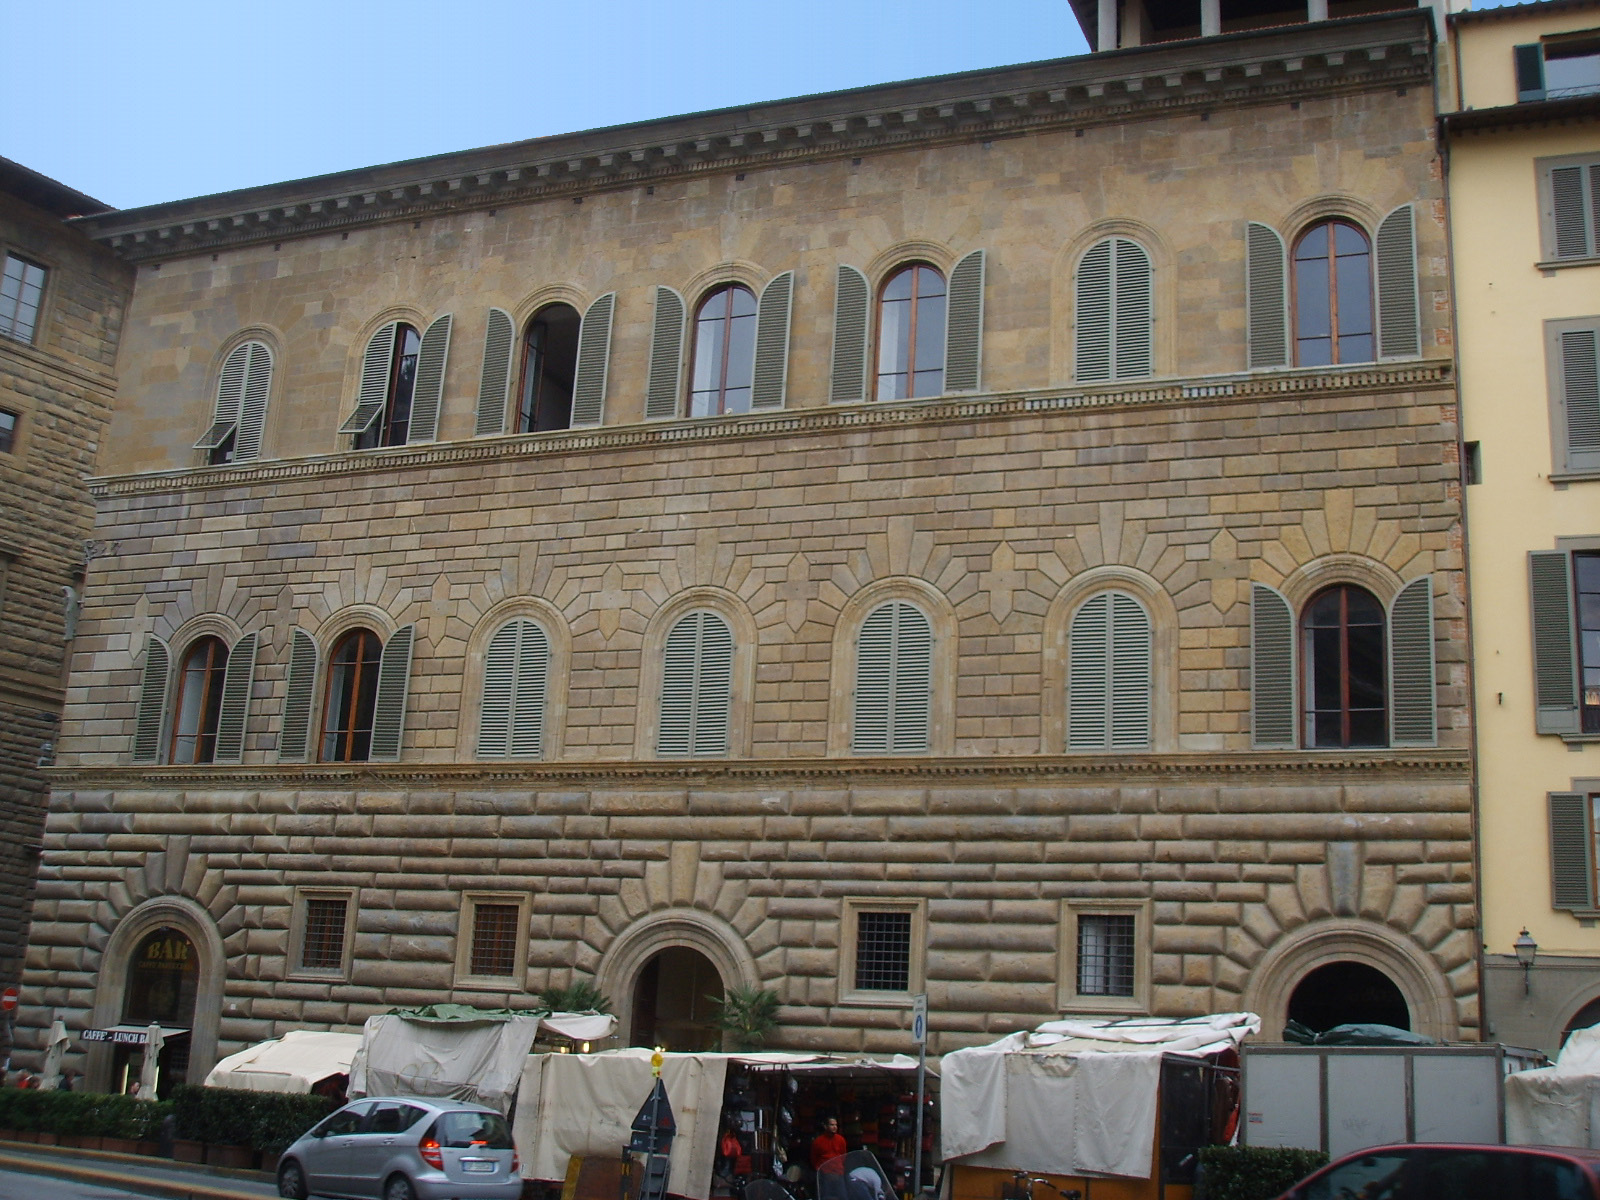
39 1174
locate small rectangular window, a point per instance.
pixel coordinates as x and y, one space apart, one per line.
1104 963
21 293
8 431
1569 191
883 951
1105 955
1572 366
322 945
1472 463
494 939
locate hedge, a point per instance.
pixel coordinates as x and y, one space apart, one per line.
1254 1172
267 1121
81 1114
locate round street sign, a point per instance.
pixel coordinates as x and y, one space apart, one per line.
8 1000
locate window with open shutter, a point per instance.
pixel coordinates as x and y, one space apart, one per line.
376 370
237 683
770 383
1113 312
1555 667
241 409
1266 297
494 384
963 354
696 687
394 683
894 681
428 393
1412 719
516 670
848 374
295 737
152 713
1271 670
1572 884
197 704
1573 364
1399 317
594 361
666 356
1108 674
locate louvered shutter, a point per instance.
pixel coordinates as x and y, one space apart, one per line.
152 715
230 393
1571 852
666 357
499 692
963 331
1130 674
1266 297
874 666
427 396
494 385
297 698
1089 672
911 682
376 365
515 680
848 373
1399 318
1132 308
1093 315
1569 214
1412 720
1578 390
675 727
1555 670
253 404
237 682
1529 61
394 683
1271 670
713 692
594 361
770 380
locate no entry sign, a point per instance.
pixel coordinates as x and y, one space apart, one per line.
8 1000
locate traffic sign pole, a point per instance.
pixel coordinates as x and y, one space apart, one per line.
8 1005
919 1030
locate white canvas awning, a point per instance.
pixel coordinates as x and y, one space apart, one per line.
1559 1105
296 1062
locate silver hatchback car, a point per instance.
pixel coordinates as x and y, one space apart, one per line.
404 1148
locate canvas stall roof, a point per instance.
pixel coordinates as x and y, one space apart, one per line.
1072 1097
1559 1105
295 1062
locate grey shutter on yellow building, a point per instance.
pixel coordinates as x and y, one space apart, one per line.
494 385
1577 366
1113 312
1412 682
427 396
1555 666
376 365
152 713
696 687
848 372
1272 700
297 696
894 678
963 331
516 670
234 713
1108 675
666 357
394 684
1266 297
769 383
1529 63
1399 317
241 408
1575 210
1571 852
594 362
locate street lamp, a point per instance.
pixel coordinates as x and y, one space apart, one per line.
1526 949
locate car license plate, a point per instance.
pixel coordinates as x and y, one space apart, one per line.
484 1165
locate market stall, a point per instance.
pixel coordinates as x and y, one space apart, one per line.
300 1061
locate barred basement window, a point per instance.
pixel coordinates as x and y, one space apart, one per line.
1105 955
494 939
883 951
322 943
21 293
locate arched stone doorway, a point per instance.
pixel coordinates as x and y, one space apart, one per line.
1347 993
163 981
674 1001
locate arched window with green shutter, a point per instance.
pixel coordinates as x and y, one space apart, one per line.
241 409
894 681
696 688
1113 312
516 670
1108 674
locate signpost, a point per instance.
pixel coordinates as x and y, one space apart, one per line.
919 1034
8 1005
651 1135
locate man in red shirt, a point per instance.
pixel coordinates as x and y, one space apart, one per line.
828 1148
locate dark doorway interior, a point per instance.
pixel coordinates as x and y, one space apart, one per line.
674 1002
1586 1016
163 981
1348 993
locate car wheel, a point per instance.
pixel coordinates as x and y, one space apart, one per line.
292 1181
399 1188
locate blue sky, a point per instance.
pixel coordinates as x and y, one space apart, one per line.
136 103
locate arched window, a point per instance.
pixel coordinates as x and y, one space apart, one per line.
1108 674
894 681
198 705
391 425
911 321
1113 312
516 670
1333 296
696 687
347 713
724 352
241 409
549 365
1344 660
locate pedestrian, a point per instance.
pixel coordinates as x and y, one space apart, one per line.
828 1147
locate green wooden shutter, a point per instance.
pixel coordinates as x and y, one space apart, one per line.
1412 700
1093 315
516 670
713 691
848 372
1399 318
1266 297
594 361
428 395
1555 669
1272 701
1130 674
1529 60
376 365
253 404
152 715
237 681
874 676
675 724
661 399
911 681
1571 852
296 733
1578 390
230 392
499 692
770 380
394 683
1089 671
494 385
963 331
1133 312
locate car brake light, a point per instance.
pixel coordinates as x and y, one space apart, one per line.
431 1154
516 1163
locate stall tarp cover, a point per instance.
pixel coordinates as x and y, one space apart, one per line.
292 1063
1559 1105
478 1061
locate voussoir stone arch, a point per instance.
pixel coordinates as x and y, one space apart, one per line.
549 618
1306 580
203 625
1428 993
1064 295
911 250
1324 207
741 708
630 950
734 270
842 667
541 298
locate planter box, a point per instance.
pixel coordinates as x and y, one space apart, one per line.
48 1139
153 1149
81 1141
194 1152
24 1135
120 1145
240 1158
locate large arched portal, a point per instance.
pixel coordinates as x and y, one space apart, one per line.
675 1001
163 981
1348 993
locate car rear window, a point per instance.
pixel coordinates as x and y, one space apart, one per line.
393 1118
462 1130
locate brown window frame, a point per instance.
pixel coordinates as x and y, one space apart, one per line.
8 433
353 695
1308 660
386 430
911 332
1329 224
727 292
209 711
526 413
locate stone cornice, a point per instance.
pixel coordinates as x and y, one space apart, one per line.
1236 769
1274 65
1420 375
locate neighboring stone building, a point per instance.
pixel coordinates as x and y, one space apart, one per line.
61 305
1111 661
1524 155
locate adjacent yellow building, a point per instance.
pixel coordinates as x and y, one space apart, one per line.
1522 142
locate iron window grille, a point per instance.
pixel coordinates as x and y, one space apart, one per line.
322 945
494 939
1105 955
883 951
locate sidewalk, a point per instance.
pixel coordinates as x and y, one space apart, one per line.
157 1176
